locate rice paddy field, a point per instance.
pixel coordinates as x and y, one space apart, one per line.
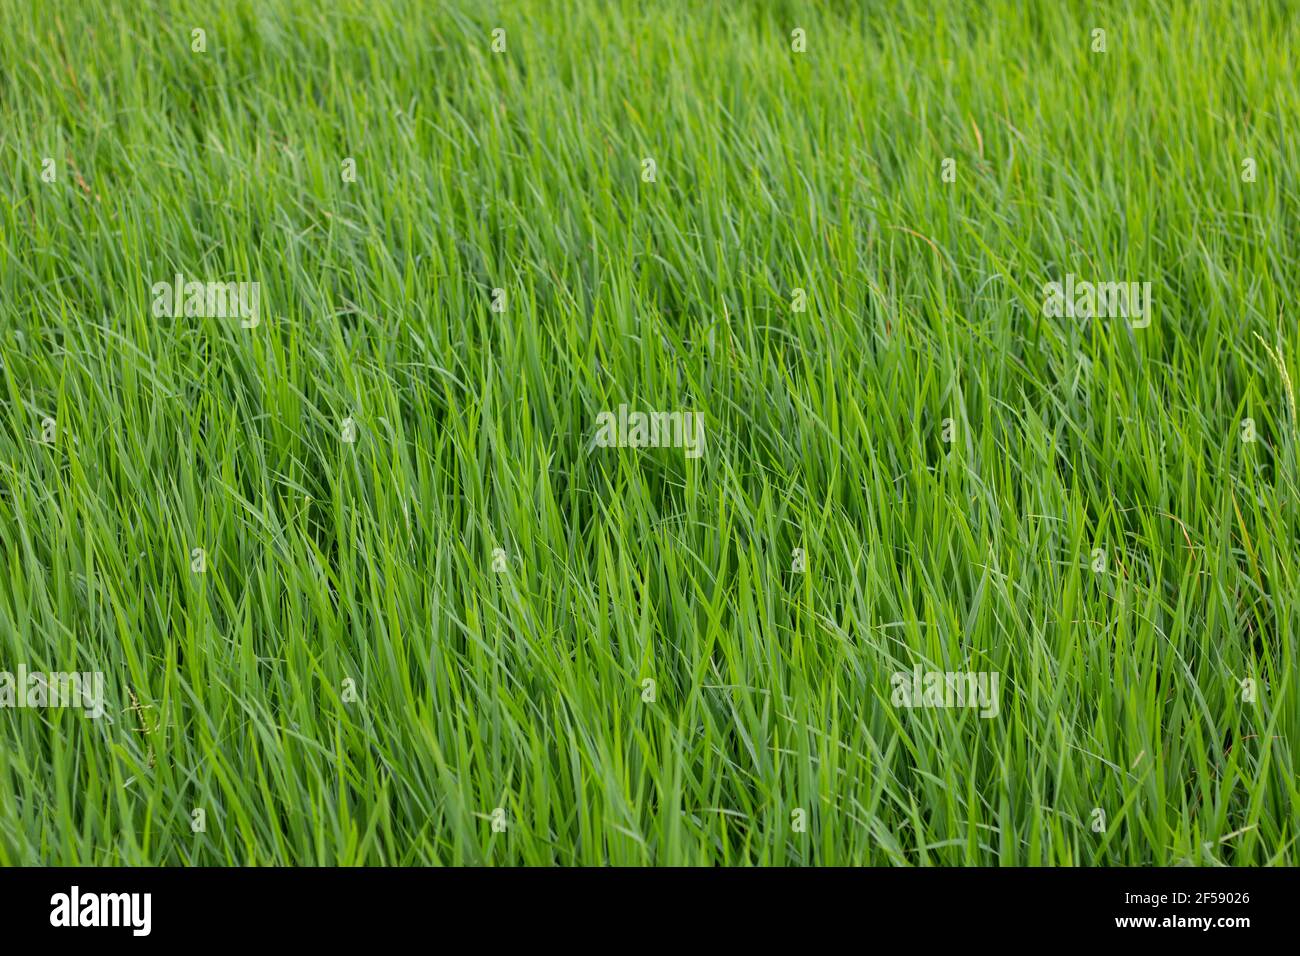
568 432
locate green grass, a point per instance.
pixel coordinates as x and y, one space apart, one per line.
372 562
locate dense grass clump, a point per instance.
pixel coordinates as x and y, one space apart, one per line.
363 583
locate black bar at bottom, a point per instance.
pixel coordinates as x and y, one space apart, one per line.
336 907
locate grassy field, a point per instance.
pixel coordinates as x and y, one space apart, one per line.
366 585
